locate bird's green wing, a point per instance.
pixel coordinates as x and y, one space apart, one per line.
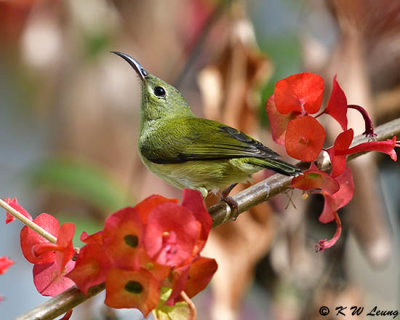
185 139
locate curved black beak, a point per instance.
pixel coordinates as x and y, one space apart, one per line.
142 73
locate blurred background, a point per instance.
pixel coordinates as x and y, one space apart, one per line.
69 122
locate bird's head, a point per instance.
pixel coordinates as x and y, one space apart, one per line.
160 100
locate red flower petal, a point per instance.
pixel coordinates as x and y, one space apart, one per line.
346 190
340 198
337 105
144 207
5 263
338 164
122 236
278 122
338 152
328 213
48 281
65 248
132 289
304 138
179 277
159 271
96 238
67 315
171 234
201 271
325 244
386 146
91 267
299 93
14 204
191 278
31 241
314 179
343 141
193 200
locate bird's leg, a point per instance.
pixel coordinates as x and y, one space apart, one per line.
230 201
225 193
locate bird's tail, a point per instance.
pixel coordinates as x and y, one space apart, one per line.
278 166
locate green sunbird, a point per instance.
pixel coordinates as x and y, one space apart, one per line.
191 152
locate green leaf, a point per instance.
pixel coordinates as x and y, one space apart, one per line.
180 311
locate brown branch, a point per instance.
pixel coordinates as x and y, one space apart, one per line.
278 183
220 213
60 304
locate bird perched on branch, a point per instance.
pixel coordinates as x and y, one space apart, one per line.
191 152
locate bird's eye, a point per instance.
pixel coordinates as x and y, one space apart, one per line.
159 91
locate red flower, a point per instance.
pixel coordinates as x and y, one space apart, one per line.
278 122
334 202
122 237
5 263
191 278
300 93
177 279
289 109
171 234
325 244
192 200
176 233
134 254
132 289
304 138
67 315
337 108
144 207
337 105
51 260
96 238
341 149
49 278
294 97
35 248
200 273
315 180
49 281
386 146
337 193
92 263
14 204
141 247
337 153
159 271
339 199
64 247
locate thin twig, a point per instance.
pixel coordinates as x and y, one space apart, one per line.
60 304
220 213
28 222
